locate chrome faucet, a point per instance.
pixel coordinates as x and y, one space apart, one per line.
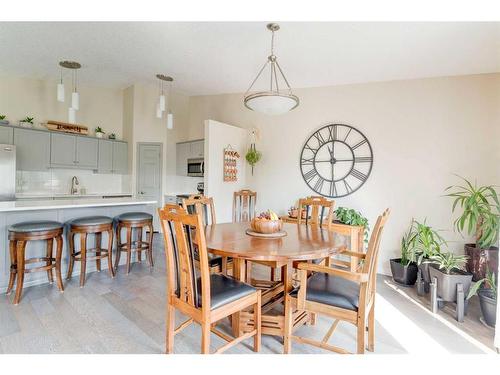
74 185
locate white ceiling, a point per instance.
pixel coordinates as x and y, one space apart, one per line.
224 57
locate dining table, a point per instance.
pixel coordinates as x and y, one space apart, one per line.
301 243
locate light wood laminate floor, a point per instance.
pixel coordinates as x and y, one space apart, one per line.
126 315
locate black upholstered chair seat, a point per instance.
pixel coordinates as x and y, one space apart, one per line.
332 290
91 220
224 290
135 216
35 226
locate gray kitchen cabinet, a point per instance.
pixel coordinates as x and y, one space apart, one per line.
197 148
86 152
120 158
105 164
62 150
182 155
6 135
32 150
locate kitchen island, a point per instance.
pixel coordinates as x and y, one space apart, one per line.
62 210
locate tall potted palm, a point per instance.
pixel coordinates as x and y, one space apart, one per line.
481 218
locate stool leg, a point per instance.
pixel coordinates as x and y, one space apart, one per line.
83 258
21 247
150 245
71 244
13 264
129 248
110 253
50 246
59 247
118 246
139 240
98 239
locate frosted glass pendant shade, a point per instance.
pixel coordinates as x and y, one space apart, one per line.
271 103
71 115
162 103
75 101
60 92
170 121
158 110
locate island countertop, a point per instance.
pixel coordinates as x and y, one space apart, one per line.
56 204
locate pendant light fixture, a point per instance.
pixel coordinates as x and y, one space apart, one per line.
75 97
60 88
164 100
275 101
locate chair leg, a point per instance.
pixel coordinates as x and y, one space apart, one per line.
83 258
287 340
361 335
48 262
248 276
71 244
150 245
312 319
129 248
273 274
118 246
13 264
59 248
139 240
371 329
20 249
110 253
169 347
257 323
98 242
205 338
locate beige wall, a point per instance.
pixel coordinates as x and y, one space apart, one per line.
21 97
421 131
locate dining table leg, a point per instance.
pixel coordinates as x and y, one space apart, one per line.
239 273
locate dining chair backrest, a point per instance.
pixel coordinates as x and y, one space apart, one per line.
181 231
202 205
371 258
313 208
244 202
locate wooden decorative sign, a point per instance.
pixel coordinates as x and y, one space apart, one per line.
67 127
231 157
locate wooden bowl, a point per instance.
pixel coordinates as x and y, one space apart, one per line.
266 226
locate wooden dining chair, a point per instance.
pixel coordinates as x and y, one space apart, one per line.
343 295
205 299
317 210
204 206
244 202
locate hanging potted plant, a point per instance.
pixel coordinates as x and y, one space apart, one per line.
404 269
448 268
480 217
253 156
487 291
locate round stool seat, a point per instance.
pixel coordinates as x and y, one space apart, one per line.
91 221
135 216
35 226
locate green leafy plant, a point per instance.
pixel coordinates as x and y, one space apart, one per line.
426 242
350 216
28 120
253 156
112 136
2 117
408 254
99 130
480 212
449 261
489 281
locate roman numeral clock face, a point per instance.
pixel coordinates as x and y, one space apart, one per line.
336 160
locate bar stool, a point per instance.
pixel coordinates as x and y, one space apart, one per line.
84 226
19 235
131 221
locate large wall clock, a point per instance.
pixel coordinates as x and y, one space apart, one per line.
336 160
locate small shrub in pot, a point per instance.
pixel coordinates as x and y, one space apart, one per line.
404 269
487 291
427 243
448 269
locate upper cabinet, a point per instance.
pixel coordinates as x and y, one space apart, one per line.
188 150
86 152
105 156
6 135
113 157
120 157
32 150
73 151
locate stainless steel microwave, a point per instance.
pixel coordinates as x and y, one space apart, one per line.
195 167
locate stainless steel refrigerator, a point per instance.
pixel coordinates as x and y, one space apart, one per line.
7 172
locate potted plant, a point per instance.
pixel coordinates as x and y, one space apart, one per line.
99 133
112 136
487 291
27 122
3 121
480 217
350 216
253 156
426 243
448 268
404 270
